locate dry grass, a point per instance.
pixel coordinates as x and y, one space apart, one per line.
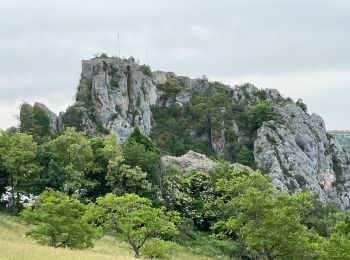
14 246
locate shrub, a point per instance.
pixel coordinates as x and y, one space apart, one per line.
158 248
104 56
146 70
300 103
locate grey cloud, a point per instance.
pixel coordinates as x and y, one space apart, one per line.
43 42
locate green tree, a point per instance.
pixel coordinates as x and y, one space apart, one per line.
265 221
19 157
106 151
74 154
244 156
132 219
26 119
136 154
58 221
125 179
337 246
41 122
258 114
51 175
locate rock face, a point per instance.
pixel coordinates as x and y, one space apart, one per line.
297 152
52 116
194 161
116 95
343 137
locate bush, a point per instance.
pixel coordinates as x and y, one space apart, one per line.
146 70
300 103
258 114
158 248
104 56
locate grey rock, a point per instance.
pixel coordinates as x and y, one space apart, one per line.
194 161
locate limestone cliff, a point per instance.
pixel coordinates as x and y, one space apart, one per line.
116 95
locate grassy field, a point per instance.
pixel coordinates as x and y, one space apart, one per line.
15 246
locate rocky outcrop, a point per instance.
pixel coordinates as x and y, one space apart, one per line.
194 161
116 95
343 137
297 152
51 115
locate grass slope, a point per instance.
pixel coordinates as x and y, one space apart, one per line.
15 246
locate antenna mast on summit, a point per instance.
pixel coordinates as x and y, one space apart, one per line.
118 46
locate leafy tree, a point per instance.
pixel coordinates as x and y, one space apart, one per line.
265 221
136 154
58 221
125 179
132 219
4 174
34 121
26 119
258 114
106 151
244 156
322 217
41 122
51 175
74 154
19 157
338 244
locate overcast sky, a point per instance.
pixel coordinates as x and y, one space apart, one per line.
301 48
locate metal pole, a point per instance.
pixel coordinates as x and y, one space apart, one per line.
118 46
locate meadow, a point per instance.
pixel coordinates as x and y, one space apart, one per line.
15 246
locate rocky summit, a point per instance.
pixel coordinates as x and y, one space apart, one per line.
221 121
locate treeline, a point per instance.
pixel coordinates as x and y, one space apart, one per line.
94 186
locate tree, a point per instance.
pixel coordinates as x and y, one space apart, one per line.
106 151
337 246
41 122
34 121
265 221
74 154
136 154
244 156
4 174
125 179
58 221
26 119
258 114
19 158
132 219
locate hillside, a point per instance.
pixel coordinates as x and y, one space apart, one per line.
256 127
13 245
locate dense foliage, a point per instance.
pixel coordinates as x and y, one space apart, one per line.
132 218
121 190
58 221
206 119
